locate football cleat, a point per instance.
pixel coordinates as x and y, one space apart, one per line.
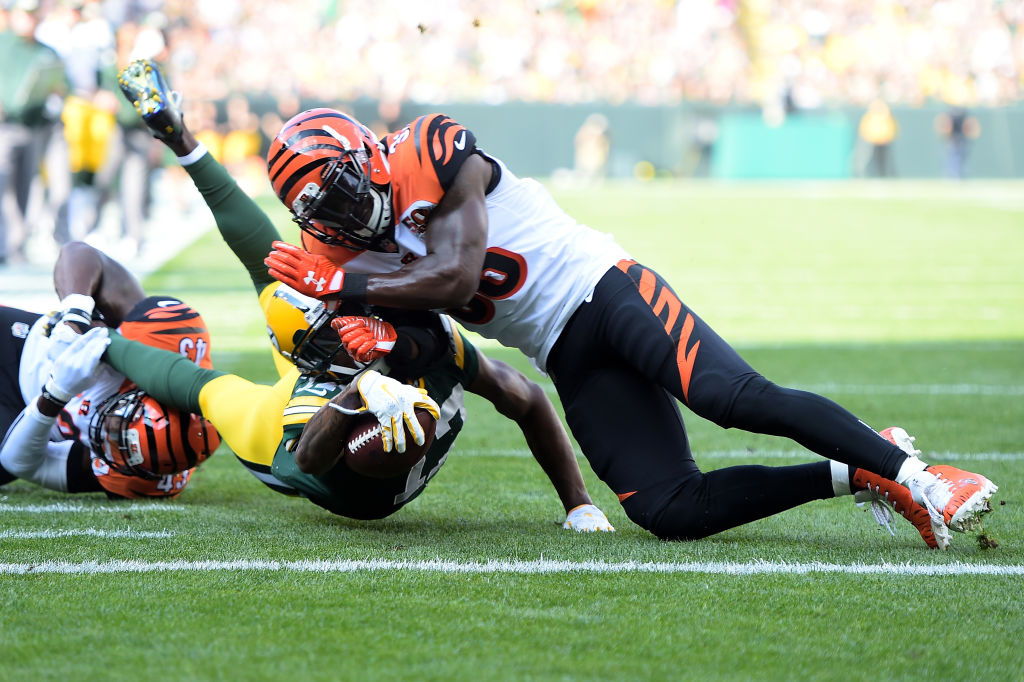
960 497
882 494
901 439
143 84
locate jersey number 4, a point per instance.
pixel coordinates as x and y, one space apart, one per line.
504 273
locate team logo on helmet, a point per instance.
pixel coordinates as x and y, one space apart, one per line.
331 173
137 436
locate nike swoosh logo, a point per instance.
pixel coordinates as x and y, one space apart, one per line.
460 141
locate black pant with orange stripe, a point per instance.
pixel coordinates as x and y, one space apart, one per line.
621 366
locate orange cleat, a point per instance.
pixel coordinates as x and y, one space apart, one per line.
881 494
962 496
953 497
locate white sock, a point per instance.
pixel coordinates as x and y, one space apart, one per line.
840 478
910 467
193 156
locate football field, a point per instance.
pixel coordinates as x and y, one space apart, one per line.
904 302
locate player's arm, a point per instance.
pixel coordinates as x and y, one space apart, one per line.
26 451
323 438
525 402
88 280
446 277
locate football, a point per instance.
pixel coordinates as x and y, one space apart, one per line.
364 450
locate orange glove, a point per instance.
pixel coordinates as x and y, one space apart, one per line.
366 338
312 274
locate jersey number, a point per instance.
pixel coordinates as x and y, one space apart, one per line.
503 274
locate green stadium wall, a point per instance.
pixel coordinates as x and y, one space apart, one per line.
537 139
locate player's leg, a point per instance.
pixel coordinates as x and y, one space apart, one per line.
657 333
631 431
242 223
710 377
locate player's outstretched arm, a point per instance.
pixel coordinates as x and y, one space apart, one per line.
525 402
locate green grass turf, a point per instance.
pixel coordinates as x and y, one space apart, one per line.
902 302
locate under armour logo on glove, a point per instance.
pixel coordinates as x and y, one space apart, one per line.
312 279
310 274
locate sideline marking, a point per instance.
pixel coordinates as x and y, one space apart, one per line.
89 532
741 453
915 389
892 389
542 566
61 507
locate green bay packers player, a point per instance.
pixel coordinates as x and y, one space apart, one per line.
265 425
426 219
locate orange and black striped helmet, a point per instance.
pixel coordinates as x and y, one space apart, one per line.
165 322
138 436
331 173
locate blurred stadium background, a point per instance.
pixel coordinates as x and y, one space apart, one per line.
571 90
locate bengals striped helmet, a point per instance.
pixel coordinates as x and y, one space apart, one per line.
165 322
331 173
137 436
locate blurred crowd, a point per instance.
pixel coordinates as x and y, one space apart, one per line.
59 109
652 51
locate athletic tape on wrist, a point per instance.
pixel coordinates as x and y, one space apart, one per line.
77 308
55 395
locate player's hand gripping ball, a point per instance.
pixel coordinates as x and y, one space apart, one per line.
364 450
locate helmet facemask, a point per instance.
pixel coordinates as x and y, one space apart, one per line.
136 436
316 348
346 208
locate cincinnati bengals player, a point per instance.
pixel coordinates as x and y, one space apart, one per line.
83 427
425 219
266 425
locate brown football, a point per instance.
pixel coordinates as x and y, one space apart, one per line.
364 450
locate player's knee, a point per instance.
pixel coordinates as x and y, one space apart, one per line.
755 405
675 517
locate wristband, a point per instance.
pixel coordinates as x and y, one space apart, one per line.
77 308
345 410
353 288
55 395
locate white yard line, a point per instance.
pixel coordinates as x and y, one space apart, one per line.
84 532
543 566
916 389
893 389
64 508
933 457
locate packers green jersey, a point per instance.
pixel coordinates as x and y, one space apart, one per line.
341 490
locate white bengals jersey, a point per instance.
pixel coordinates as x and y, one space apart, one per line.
33 372
540 266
